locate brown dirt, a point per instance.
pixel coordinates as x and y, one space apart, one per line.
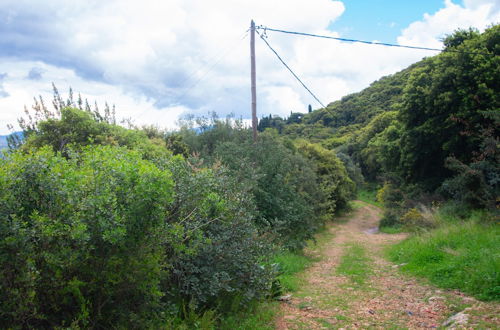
388 299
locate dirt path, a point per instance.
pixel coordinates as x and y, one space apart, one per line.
385 299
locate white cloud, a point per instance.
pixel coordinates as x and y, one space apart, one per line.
21 92
432 28
158 59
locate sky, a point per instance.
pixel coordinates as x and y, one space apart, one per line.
160 60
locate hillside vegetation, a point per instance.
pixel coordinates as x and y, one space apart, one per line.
424 143
429 132
103 226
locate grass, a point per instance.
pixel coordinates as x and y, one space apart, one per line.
261 316
369 196
460 255
391 230
291 264
354 264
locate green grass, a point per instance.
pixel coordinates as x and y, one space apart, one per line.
369 196
291 264
460 255
261 317
354 264
391 230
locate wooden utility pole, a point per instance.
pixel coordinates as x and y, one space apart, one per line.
254 90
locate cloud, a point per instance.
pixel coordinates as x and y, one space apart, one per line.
433 28
157 60
3 93
35 74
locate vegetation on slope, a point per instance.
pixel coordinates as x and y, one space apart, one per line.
425 136
103 226
460 255
431 130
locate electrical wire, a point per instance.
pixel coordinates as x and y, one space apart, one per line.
265 28
218 58
262 36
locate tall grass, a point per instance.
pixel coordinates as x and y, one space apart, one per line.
458 255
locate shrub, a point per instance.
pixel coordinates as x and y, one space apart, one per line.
333 179
284 187
417 219
223 260
80 238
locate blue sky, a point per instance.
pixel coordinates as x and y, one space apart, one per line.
381 19
160 60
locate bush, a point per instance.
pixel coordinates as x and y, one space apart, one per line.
419 219
222 259
283 184
333 179
80 238
104 238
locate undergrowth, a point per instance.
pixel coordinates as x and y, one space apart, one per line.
458 255
290 264
369 196
258 315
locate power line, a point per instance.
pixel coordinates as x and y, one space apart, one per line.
223 55
216 59
289 69
261 27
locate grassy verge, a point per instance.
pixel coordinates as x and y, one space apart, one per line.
462 255
354 264
261 316
291 264
391 230
369 196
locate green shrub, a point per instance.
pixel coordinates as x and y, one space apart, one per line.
80 238
417 219
332 175
223 260
283 184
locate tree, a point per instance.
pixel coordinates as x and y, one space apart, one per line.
447 102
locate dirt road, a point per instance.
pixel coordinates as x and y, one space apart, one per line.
354 286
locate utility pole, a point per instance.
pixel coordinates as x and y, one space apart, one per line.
254 90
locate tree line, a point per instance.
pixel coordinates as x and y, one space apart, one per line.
104 226
427 133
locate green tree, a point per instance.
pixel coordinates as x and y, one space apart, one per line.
447 102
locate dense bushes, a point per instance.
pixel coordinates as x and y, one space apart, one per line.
220 258
104 238
81 238
101 226
283 186
294 187
333 178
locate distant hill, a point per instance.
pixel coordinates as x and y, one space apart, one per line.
3 139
